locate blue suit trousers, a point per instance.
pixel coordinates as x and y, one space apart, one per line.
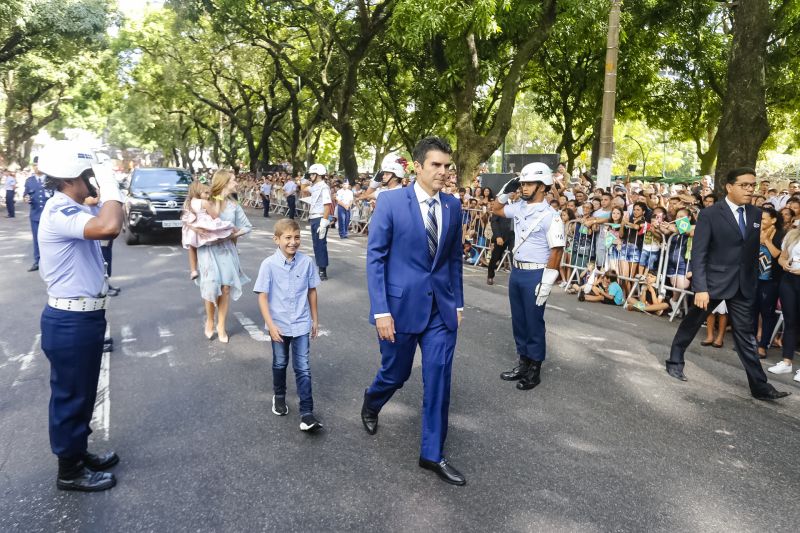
437 344
35 231
73 343
527 318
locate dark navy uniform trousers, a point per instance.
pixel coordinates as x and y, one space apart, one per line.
320 245
73 343
527 318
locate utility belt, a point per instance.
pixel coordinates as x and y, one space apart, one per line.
522 265
78 304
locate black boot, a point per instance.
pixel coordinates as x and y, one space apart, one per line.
74 475
518 371
323 275
531 378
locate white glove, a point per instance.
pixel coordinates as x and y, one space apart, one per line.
109 186
543 288
322 232
375 184
507 188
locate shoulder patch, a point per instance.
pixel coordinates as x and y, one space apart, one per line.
71 210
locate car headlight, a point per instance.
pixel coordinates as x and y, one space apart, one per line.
139 202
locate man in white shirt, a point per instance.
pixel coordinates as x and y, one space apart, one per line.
344 203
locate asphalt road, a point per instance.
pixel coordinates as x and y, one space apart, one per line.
608 442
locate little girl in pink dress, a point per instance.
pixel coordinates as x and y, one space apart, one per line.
201 223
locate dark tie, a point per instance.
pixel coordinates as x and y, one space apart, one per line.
431 227
741 221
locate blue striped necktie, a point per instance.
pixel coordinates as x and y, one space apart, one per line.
431 227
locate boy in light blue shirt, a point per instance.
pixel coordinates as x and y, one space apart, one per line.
287 297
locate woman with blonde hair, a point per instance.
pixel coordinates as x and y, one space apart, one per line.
221 278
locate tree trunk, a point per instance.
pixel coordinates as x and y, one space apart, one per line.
708 158
744 126
347 152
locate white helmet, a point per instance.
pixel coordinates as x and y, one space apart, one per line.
318 168
66 160
533 172
394 168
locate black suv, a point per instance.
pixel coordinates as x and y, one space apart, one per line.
155 200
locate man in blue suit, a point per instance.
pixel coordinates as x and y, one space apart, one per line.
36 195
414 276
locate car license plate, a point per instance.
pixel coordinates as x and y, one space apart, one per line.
171 223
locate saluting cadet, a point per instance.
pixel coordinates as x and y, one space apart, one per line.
73 322
320 209
265 191
36 194
390 177
539 237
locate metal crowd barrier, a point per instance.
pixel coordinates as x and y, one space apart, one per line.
674 274
473 228
360 215
615 251
278 206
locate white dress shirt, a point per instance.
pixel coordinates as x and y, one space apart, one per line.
735 210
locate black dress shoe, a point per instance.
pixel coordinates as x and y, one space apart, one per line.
104 461
113 291
518 371
34 267
444 470
87 481
323 274
774 394
677 374
369 418
531 378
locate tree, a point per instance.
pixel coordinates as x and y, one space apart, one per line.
480 50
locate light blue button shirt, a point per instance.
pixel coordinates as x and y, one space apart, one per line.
535 249
70 265
286 284
289 188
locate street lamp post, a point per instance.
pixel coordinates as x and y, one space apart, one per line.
644 157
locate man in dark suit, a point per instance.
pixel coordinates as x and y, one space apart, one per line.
503 239
725 267
36 195
414 276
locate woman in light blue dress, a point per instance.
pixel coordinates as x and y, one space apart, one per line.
221 278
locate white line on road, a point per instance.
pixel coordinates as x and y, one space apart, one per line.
101 419
26 360
251 328
127 334
163 331
148 355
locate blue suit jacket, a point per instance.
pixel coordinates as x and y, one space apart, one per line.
38 197
401 278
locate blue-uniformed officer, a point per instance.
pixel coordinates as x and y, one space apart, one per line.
319 212
73 322
36 194
539 241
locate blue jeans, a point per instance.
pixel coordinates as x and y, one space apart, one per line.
320 245
302 372
344 220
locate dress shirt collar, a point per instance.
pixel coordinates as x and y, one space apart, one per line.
735 209
281 260
422 196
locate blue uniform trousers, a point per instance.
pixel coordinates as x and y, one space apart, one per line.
343 216
35 231
73 343
291 201
10 203
527 318
437 344
320 245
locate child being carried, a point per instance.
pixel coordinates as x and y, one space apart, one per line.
201 223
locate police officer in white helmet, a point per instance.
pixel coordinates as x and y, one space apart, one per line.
73 322
389 177
319 213
539 238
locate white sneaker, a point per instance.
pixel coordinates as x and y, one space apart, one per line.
797 376
781 368
563 284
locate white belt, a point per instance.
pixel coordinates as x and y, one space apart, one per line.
78 304
529 266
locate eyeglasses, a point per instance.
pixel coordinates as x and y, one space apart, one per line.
749 185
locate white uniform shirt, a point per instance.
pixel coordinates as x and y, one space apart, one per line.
535 248
345 196
320 194
70 265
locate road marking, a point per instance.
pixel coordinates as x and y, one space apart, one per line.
323 333
163 331
101 419
251 328
147 355
127 334
557 308
26 360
